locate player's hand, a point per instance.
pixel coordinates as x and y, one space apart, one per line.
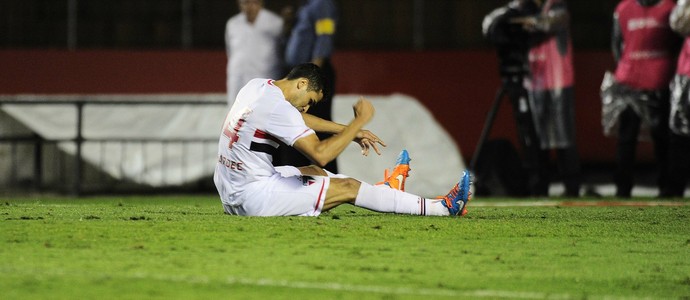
368 140
364 110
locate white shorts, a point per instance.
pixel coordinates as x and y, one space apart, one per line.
283 194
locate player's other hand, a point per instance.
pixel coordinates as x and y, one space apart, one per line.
368 140
364 110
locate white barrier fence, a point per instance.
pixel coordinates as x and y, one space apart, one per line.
97 142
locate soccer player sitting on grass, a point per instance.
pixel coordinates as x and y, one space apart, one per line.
267 111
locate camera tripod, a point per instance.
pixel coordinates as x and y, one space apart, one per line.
512 88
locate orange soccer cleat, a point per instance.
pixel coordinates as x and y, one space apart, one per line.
396 179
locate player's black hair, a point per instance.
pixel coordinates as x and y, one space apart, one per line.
312 73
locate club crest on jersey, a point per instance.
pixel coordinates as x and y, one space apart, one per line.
308 180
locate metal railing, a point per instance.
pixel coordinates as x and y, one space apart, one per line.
79 140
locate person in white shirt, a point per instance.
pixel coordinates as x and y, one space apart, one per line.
267 112
252 39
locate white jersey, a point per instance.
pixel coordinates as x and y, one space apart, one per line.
258 119
252 49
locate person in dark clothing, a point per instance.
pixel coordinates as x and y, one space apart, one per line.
311 39
679 155
550 87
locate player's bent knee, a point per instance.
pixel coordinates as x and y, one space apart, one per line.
312 170
351 184
344 188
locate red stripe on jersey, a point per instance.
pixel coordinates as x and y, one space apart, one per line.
263 135
318 201
260 134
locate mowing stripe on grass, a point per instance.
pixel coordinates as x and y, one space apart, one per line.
393 290
326 286
415 292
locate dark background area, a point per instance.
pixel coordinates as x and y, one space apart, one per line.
432 50
200 24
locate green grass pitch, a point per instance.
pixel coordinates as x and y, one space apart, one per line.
184 247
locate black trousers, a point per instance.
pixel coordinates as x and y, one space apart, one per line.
567 156
568 164
626 148
290 156
679 166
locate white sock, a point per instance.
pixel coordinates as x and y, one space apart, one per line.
382 198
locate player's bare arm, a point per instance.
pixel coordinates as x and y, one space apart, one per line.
365 138
321 125
322 152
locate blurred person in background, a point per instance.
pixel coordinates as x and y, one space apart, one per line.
644 48
512 46
311 39
679 155
252 43
550 86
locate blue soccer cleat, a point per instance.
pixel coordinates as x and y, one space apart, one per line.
456 200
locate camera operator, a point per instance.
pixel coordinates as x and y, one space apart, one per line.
509 37
535 54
